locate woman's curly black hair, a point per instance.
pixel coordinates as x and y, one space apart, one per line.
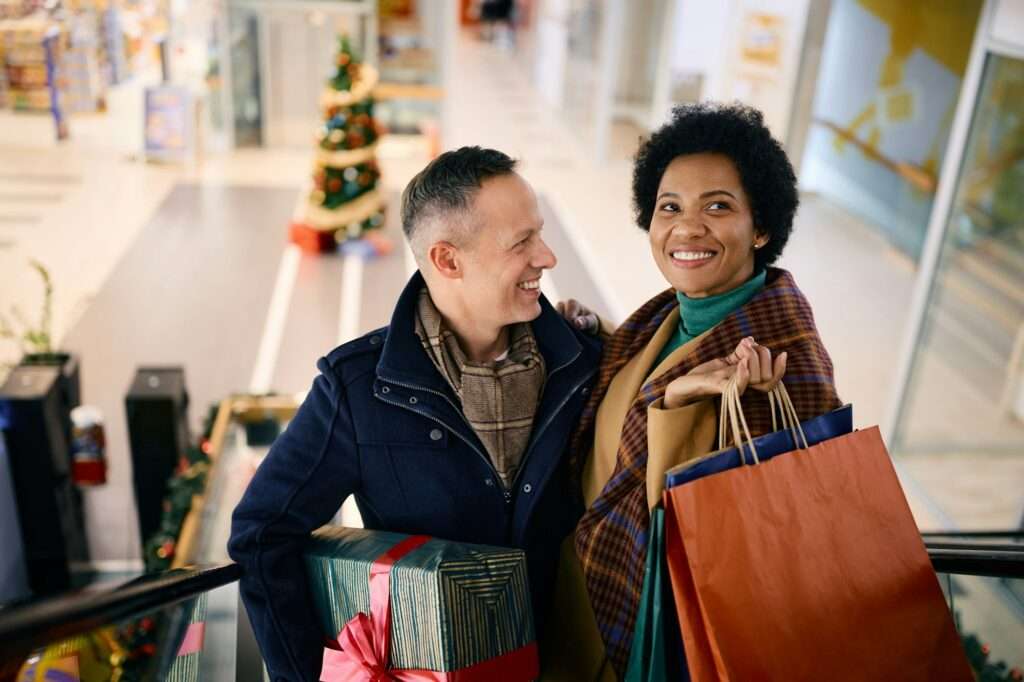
739 132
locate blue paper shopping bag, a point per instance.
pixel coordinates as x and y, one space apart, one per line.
838 422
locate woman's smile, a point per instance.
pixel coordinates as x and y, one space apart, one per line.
691 258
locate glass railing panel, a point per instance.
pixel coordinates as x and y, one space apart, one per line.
244 430
989 614
154 627
166 644
960 432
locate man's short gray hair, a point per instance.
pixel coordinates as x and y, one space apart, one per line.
444 191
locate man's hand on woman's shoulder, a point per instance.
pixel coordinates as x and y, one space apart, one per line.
579 316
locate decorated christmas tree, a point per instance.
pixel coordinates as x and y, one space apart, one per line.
344 201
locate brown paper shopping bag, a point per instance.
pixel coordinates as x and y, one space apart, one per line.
808 566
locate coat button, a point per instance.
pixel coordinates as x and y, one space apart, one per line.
585 392
374 340
489 482
435 434
385 389
413 400
527 488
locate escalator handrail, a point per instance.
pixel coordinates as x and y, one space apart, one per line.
27 627
1006 534
24 628
980 559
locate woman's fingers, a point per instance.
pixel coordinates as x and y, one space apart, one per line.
780 369
765 372
711 366
764 357
752 365
748 352
718 380
738 354
743 375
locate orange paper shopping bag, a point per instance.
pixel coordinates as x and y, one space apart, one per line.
808 566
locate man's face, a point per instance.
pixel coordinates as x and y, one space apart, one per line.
502 264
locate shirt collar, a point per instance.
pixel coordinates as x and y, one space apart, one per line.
697 315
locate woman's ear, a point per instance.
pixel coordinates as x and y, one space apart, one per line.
760 240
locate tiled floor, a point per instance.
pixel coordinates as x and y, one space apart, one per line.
81 205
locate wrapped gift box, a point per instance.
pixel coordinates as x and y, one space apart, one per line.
453 606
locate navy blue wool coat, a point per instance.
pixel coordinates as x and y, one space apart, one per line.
381 423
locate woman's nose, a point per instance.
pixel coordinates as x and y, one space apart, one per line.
689 226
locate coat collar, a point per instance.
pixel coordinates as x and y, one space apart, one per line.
403 359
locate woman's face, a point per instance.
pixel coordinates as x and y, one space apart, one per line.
702 231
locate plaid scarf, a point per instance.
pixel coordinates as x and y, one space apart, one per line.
499 399
611 538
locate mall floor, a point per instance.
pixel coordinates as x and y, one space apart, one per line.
157 264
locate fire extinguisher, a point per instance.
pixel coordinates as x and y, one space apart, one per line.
88 446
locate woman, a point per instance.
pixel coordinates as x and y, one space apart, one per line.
717 196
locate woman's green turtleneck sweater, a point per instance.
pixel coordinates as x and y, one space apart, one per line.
697 315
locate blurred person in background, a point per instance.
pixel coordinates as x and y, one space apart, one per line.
495 13
452 421
717 196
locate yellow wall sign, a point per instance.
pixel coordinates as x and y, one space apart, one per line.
762 39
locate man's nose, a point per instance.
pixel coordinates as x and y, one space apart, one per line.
544 256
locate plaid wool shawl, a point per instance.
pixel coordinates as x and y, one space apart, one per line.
611 538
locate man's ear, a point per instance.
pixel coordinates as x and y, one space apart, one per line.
446 260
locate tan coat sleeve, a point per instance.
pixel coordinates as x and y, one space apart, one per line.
676 436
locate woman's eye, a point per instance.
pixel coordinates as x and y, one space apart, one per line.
669 207
718 206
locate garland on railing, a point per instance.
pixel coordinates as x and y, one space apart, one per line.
115 653
124 652
188 481
984 670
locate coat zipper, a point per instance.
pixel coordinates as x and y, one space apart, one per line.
540 431
507 492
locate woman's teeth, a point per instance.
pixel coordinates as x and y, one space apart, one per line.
532 284
692 255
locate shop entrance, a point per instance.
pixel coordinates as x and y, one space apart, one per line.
280 54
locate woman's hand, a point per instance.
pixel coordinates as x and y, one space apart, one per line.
764 373
751 360
579 316
707 380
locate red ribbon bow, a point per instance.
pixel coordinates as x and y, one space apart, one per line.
361 650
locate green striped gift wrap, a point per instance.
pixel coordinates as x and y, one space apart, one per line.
453 605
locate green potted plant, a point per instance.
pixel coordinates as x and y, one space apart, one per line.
37 340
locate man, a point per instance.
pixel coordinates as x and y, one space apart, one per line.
452 421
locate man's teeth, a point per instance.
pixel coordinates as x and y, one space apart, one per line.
532 284
692 255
